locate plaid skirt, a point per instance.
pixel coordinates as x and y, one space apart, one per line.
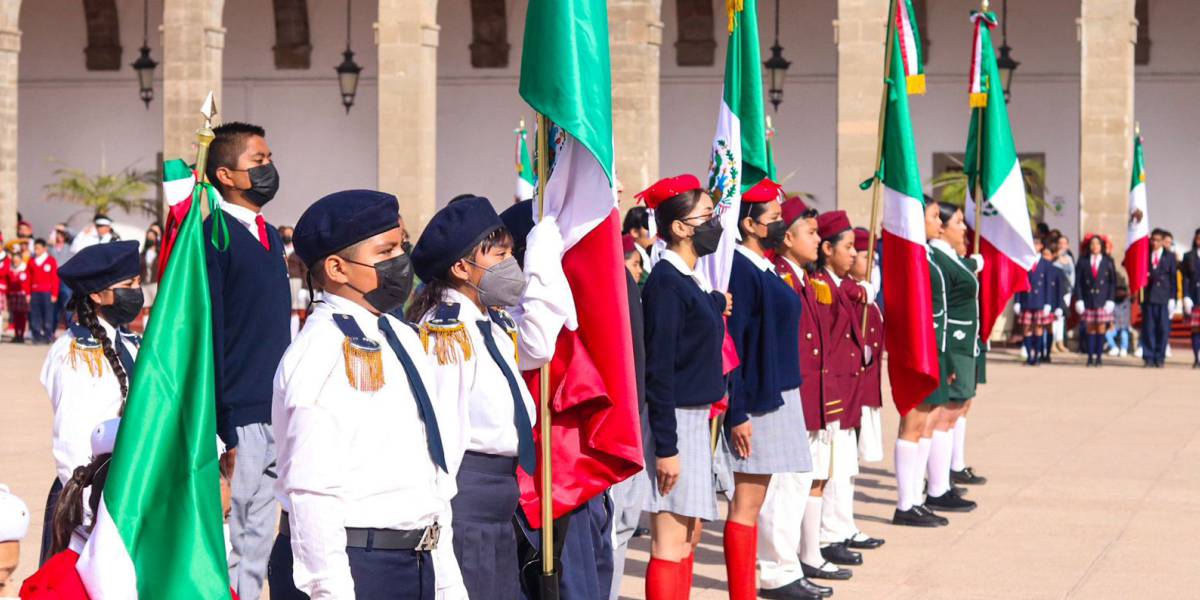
1097 316
694 494
1036 317
775 447
18 302
1194 318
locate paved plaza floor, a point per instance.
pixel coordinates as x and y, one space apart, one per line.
1093 492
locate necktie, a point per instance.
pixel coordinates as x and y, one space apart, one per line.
1156 257
1095 267
525 452
262 231
433 434
123 354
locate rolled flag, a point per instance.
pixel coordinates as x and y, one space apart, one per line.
1137 254
912 352
910 47
526 178
1005 236
596 434
178 182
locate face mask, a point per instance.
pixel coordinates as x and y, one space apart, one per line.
395 277
264 183
707 236
287 240
501 285
775 233
126 306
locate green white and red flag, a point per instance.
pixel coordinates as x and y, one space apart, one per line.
1137 254
991 165
910 47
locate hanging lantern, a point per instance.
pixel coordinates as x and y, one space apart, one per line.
144 65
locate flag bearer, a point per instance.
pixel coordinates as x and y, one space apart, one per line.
1035 307
1158 303
88 370
1095 290
364 478
765 410
684 332
791 514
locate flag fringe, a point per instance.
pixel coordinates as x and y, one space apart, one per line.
916 84
979 100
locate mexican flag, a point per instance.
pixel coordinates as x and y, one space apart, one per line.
525 175
1005 237
158 532
1137 254
596 431
739 151
178 182
912 349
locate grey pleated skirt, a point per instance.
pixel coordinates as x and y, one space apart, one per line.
694 495
778 443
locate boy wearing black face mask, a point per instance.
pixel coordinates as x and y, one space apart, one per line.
362 461
252 302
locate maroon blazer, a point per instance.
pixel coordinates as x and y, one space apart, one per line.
869 391
843 357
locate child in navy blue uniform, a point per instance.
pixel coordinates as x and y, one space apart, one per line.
1036 306
1191 295
1095 290
1158 302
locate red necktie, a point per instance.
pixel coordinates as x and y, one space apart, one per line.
1155 265
262 231
1095 268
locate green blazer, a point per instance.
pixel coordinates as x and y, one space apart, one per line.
937 283
961 291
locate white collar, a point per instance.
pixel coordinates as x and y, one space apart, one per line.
339 304
798 270
467 310
40 259
672 258
837 281
944 246
241 213
1095 259
758 260
1158 253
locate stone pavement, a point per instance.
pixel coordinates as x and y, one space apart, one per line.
1092 494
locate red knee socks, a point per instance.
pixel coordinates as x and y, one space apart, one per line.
687 567
741 547
663 579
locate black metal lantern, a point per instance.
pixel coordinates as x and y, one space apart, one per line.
777 67
144 65
1005 63
348 71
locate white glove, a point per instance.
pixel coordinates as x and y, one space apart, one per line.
869 290
1058 312
1079 306
1046 309
1017 307
1109 306
1171 306
978 258
1188 305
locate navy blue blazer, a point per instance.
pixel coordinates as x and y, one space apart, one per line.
1163 285
1042 284
1096 289
1191 276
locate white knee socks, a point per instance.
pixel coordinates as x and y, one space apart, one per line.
959 460
810 533
940 449
923 448
906 474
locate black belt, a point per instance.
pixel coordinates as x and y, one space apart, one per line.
421 540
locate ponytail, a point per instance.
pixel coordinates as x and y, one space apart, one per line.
68 512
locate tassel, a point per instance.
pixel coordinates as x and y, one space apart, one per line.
916 84
824 294
447 341
733 7
364 367
512 333
979 100
787 278
92 356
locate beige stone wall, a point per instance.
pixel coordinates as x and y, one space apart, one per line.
635 34
10 47
193 44
859 31
1107 33
407 39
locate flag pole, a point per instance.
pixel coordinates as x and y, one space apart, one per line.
204 138
547 499
875 191
979 153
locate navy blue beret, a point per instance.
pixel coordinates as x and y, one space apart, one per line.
452 233
96 268
341 220
518 220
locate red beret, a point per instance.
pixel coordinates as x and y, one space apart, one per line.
763 191
862 239
667 188
793 208
832 223
627 244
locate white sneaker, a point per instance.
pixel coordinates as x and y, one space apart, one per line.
1024 353
1124 352
1138 352
1168 351
1114 352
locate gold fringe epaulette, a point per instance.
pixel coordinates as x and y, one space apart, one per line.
89 353
824 293
451 342
364 364
787 278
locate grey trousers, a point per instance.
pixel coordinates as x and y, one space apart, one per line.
253 514
628 498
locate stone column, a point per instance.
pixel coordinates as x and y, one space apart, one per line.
193 43
10 48
1107 34
635 38
858 33
407 38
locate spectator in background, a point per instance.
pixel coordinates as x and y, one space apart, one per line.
60 251
1064 260
99 232
297 272
151 250
43 293
5 268
637 226
18 292
1117 338
24 238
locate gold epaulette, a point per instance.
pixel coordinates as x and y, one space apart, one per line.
824 293
89 352
364 364
451 342
787 278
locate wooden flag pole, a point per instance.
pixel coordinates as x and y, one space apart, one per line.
875 187
547 496
978 187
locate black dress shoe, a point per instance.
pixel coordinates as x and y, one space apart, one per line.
864 542
940 520
792 591
914 518
950 502
823 591
826 571
839 554
967 476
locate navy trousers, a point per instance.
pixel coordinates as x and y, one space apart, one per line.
378 574
1156 331
41 316
485 541
586 562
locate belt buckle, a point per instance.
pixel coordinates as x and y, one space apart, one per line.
429 540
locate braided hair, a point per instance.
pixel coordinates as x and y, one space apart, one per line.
85 311
68 513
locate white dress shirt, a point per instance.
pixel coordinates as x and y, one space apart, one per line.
349 458
478 388
757 260
80 401
242 215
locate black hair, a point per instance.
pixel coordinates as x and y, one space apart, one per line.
635 218
946 212
1195 235
753 210
85 311
674 209
40 242
833 241
430 294
68 512
1042 229
227 146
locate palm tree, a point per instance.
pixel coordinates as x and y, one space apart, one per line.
953 184
104 192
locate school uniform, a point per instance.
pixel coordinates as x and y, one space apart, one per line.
937 283
1035 306
1191 299
43 287
1157 306
843 361
1095 288
17 299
